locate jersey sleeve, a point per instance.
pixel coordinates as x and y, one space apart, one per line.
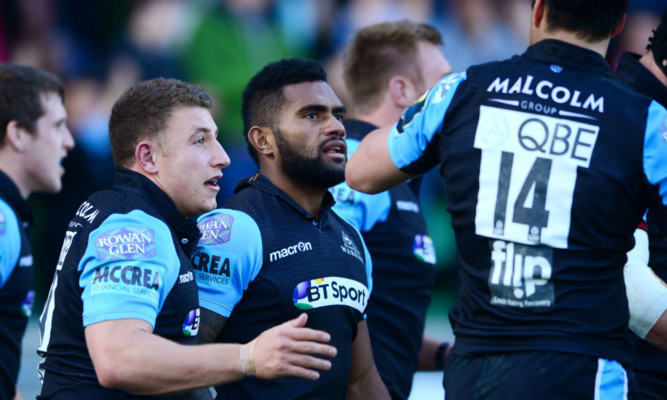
129 266
228 257
420 126
360 209
10 242
655 154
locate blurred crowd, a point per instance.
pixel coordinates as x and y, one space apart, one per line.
99 48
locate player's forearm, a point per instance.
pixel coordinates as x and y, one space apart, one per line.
139 362
371 387
432 356
658 334
158 366
365 382
370 169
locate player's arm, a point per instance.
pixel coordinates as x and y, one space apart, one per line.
128 356
371 169
658 334
433 354
362 210
210 326
394 154
365 382
647 294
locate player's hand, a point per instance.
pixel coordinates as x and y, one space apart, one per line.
288 350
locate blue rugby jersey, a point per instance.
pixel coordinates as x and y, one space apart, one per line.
649 359
263 260
549 164
16 281
126 254
403 257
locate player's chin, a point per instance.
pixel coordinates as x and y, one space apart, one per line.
53 185
209 204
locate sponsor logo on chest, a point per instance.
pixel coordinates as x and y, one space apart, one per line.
297 248
330 291
191 323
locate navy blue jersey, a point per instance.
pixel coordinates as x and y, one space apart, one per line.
16 281
649 359
263 260
549 164
126 254
394 230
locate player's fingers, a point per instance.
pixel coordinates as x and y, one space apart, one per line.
308 334
298 321
300 372
310 362
307 347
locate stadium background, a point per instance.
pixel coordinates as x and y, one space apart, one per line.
101 47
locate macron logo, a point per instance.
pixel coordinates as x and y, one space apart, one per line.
290 250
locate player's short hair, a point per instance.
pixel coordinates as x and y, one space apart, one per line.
21 91
591 20
263 97
379 52
143 111
658 44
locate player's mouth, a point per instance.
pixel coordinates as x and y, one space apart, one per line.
335 148
213 183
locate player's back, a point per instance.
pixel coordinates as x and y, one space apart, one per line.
557 149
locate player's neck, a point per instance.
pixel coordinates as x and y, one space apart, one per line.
13 166
381 116
599 47
309 197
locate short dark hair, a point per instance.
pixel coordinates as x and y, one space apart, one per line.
263 97
143 111
379 52
21 91
591 20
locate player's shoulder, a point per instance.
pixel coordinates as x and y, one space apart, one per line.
224 224
8 218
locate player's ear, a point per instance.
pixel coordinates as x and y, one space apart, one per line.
538 13
399 86
620 26
145 156
262 139
17 137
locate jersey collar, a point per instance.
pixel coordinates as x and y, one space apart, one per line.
261 182
184 227
554 51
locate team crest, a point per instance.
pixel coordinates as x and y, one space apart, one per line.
350 248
